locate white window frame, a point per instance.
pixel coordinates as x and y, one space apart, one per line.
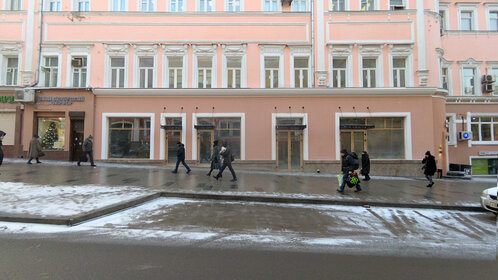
8 6
272 51
162 132
123 9
305 52
406 52
274 117
110 69
446 64
446 9
105 131
490 8
279 7
471 63
144 51
115 51
10 51
452 129
78 51
468 8
375 2
241 6
4 59
51 51
205 50
344 52
47 5
154 6
198 6
75 4
372 52
234 51
307 9
346 5
184 6
482 115
491 66
175 50
242 117
176 71
405 4
73 69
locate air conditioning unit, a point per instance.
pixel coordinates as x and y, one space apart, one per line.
488 88
25 95
487 79
77 62
464 135
468 90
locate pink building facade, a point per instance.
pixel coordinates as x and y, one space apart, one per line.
287 83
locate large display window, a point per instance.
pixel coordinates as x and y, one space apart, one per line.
222 129
129 137
51 130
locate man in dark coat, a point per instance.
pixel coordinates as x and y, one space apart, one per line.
347 167
35 149
429 167
2 135
87 151
226 153
180 158
215 158
365 165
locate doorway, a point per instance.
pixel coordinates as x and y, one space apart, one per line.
77 138
354 140
172 138
290 149
205 139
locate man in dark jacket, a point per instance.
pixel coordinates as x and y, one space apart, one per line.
215 158
347 167
365 165
87 151
429 168
226 153
180 158
2 135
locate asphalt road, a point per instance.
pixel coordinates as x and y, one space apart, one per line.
56 259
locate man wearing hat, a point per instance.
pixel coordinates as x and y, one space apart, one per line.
87 150
180 156
35 149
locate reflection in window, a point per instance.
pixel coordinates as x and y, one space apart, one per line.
225 129
51 131
129 137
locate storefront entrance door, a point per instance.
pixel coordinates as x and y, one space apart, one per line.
205 140
172 138
290 149
77 138
354 141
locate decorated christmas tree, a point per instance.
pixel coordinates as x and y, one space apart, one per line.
50 137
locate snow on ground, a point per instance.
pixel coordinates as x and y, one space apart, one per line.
61 201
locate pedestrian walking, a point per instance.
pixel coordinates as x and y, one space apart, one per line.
180 158
348 167
228 158
429 167
215 158
365 165
87 151
35 149
2 135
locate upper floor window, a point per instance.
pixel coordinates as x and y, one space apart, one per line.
484 128
444 78
299 6
396 4
272 69
13 5
442 25
301 72
233 5
146 72
50 71
175 71
204 71
81 5
367 5
119 5
338 5
399 72
466 20
53 5
146 5
206 5
176 5
79 71
234 72
493 20
11 71
369 71
271 5
118 72
469 75
339 70
494 72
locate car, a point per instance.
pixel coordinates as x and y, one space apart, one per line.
488 200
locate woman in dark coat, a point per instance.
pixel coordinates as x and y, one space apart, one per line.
2 135
429 168
365 165
215 158
35 149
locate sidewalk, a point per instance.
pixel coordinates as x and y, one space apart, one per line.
92 190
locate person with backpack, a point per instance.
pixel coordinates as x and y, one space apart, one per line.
365 165
349 164
180 158
429 167
228 158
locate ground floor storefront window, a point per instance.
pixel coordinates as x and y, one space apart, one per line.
484 166
129 137
221 129
382 137
51 129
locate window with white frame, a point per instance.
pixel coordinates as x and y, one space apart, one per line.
176 5
204 71
271 5
399 72
272 69
367 5
119 5
206 5
13 5
233 5
11 71
53 5
445 77
234 71
484 128
301 72
494 72
299 6
117 72
396 4
442 25
493 20
81 5
146 5
146 72
338 5
466 20
50 71
175 71
79 71
369 71
469 77
339 72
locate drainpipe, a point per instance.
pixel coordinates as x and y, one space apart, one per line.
312 7
40 36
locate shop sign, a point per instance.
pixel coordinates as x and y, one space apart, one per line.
62 100
7 99
488 153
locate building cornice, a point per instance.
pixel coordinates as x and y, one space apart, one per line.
466 100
